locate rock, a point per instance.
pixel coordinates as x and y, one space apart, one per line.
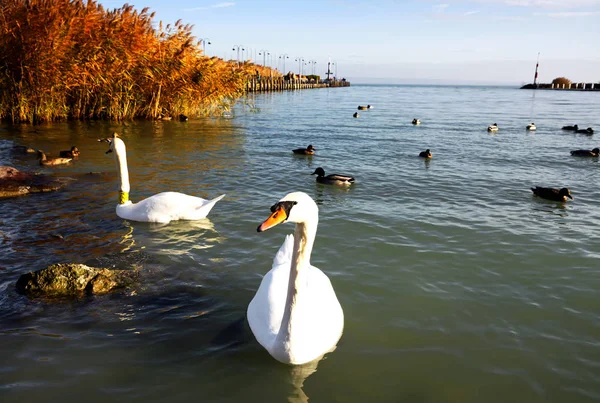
71 279
16 183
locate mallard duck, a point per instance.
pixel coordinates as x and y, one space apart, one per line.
362 108
355 115
425 154
183 117
589 130
160 208
531 127
492 128
333 179
310 150
73 153
45 161
416 122
574 127
586 153
552 194
295 314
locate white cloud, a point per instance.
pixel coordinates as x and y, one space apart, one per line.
569 14
222 5
472 12
440 8
557 4
218 5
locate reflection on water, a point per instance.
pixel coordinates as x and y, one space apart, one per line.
297 376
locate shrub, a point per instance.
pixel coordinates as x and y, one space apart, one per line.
561 80
72 59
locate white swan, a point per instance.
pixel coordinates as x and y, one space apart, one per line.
160 208
295 314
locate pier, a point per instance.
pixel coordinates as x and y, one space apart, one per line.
564 86
265 84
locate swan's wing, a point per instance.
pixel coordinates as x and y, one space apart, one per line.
321 314
265 311
168 206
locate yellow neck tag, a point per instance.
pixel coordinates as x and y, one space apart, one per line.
123 197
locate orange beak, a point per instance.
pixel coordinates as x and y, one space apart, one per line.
274 219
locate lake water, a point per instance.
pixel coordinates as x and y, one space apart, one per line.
456 283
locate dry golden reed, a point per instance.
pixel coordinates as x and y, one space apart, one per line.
73 59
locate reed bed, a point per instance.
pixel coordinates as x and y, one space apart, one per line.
73 59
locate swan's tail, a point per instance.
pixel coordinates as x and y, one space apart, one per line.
202 211
284 254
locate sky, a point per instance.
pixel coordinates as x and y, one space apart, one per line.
394 41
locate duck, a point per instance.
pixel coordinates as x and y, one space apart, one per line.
531 127
73 153
183 118
586 153
362 108
589 130
45 161
295 314
492 128
369 106
159 208
552 194
355 115
574 128
416 122
425 154
310 150
333 179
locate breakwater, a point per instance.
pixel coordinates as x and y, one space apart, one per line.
563 86
281 84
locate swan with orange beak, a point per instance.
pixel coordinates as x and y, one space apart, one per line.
295 314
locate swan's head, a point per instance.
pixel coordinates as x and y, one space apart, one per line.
296 207
115 144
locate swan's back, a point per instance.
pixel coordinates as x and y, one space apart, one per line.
167 206
318 316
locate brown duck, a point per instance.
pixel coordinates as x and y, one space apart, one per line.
45 161
310 150
73 153
586 153
425 154
552 194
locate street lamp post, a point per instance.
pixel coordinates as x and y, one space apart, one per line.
313 62
300 60
238 48
205 41
264 54
284 56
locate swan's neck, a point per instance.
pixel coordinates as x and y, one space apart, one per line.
121 156
304 238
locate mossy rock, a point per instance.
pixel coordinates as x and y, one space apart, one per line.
72 280
16 183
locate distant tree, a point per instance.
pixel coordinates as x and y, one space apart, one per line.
561 80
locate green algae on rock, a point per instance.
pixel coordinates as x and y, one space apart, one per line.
71 279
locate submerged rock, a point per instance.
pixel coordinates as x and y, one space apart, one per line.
71 279
16 183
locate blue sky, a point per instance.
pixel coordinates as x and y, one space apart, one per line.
453 41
